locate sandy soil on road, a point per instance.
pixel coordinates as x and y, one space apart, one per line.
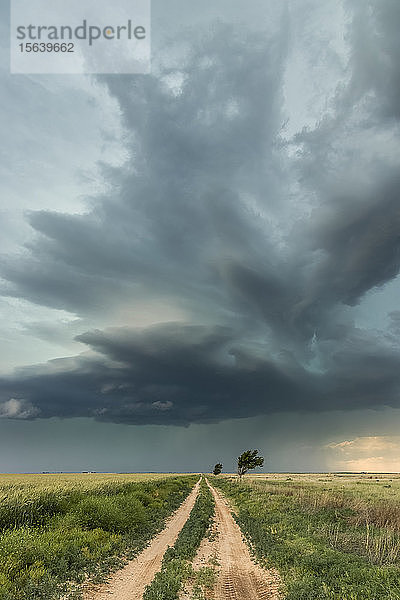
130 582
239 577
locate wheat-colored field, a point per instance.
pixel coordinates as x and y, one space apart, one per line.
78 480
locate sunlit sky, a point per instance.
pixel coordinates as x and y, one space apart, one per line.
206 258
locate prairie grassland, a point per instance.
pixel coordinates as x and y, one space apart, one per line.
83 481
332 537
32 499
58 529
374 499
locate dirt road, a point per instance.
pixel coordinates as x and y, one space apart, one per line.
130 582
239 577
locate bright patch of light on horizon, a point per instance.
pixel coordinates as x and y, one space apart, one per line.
378 454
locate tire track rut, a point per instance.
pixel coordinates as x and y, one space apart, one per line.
130 582
240 578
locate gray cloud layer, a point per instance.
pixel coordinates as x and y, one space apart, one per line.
264 243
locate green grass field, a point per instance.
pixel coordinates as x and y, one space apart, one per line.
58 529
332 537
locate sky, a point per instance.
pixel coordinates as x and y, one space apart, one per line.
205 259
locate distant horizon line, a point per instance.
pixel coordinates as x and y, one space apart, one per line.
197 472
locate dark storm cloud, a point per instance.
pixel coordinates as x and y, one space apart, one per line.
364 241
171 373
179 374
181 212
204 217
355 246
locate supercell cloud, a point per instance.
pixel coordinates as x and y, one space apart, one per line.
252 238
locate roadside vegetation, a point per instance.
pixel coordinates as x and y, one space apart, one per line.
176 565
330 538
54 535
